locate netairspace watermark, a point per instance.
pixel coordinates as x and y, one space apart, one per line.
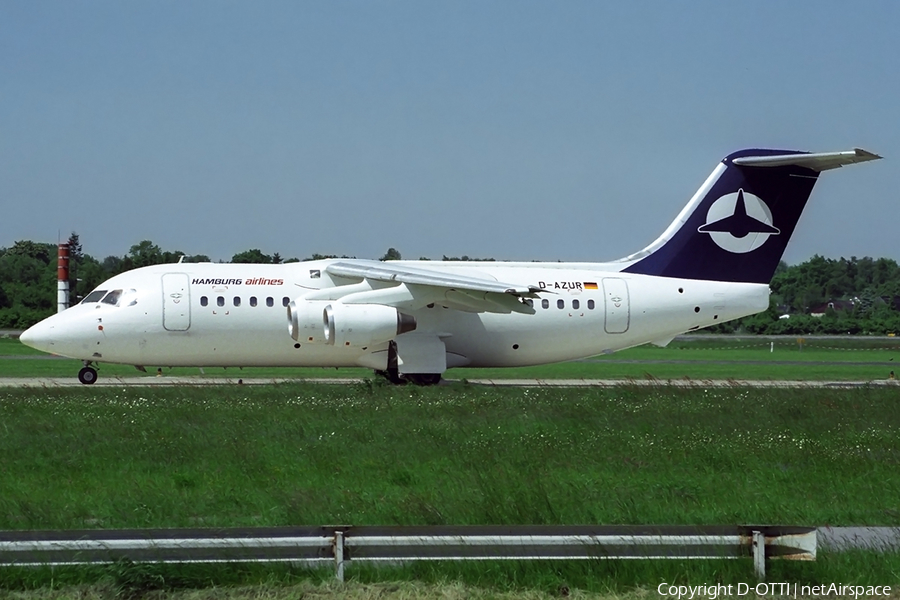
793 590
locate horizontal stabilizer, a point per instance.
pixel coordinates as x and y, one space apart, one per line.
821 161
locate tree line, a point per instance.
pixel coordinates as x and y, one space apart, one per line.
829 296
820 296
28 284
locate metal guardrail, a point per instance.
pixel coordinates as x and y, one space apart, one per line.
341 546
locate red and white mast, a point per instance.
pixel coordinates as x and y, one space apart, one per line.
62 277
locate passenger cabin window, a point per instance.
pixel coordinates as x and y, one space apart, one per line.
560 303
575 304
252 300
270 301
545 303
237 300
204 301
220 301
590 305
112 297
94 296
285 301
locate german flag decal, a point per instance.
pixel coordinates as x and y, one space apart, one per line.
590 285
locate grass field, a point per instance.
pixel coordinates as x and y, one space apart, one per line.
374 454
370 454
718 357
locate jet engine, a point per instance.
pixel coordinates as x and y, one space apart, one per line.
305 321
364 324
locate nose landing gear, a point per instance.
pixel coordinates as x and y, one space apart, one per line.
88 374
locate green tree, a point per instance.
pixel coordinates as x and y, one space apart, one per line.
143 254
78 287
254 256
317 256
391 254
113 265
90 275
28 278
76 252
35 250
466 258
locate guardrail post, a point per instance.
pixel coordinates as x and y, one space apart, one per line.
339 555
759 554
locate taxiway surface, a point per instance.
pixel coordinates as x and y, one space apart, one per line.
59 382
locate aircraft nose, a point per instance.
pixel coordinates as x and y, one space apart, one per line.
38 337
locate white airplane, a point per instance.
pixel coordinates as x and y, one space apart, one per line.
413 320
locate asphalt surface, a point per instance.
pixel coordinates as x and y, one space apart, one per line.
872 538
59 382
796 363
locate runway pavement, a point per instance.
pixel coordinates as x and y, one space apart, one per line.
152 381
886 539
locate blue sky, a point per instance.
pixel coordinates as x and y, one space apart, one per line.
516 130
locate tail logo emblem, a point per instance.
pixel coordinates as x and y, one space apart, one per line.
739 222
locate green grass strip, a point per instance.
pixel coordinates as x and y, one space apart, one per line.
372 454
704 357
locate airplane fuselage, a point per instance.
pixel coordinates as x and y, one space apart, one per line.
234 315
412 320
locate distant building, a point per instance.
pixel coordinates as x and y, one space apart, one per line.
835 305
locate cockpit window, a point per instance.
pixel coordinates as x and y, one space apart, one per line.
112 297
94 296
129 298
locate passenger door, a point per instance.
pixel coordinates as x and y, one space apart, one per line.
618 308
176 301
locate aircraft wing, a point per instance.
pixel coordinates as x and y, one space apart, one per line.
380 271
461 292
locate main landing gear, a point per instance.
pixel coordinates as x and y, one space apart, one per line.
423 379
392 373
88 374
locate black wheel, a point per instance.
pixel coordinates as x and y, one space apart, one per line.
87 375
392 376
424 378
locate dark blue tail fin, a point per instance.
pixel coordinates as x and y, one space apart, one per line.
738 224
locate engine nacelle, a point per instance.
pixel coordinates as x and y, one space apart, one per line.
364 324
305 321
